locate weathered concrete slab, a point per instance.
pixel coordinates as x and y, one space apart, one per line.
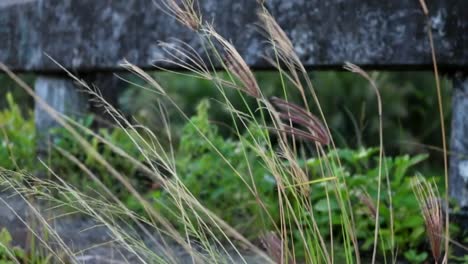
89 35
64 96
89 240
459 142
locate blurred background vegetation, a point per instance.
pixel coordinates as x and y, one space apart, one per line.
409 100
411 123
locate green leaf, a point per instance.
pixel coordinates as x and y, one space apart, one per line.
322 205
414 257
5 237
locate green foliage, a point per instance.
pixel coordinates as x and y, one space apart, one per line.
346 99
360 170
9 86
186 93
17 138
10 254
215 183
18 151
415 257
408 109
211 180
118 137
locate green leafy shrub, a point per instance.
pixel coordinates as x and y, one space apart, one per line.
17 138
210 179
18 151
9 86
118 137
360 168
214 183
10 254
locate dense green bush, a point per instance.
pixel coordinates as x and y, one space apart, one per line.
210 179
214 183
360 168
17 138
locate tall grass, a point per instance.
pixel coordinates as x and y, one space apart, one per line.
285 130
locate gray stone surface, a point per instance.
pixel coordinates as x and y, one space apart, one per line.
459 141
91 242
61 93
89 35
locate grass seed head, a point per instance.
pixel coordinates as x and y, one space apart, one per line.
431 208
366 199
293 114
274 247
184 12
281 41
237 65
